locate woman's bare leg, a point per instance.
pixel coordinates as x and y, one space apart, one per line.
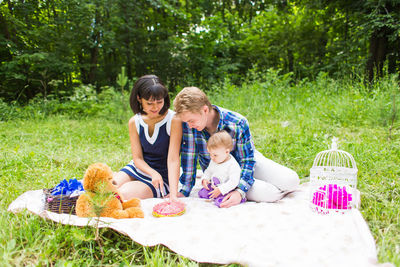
133 189
121 178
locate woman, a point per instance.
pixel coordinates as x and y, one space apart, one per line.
155 135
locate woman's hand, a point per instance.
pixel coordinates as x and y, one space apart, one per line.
174 198
157 182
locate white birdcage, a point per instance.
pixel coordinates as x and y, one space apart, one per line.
333 181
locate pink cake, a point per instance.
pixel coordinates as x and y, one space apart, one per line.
168 209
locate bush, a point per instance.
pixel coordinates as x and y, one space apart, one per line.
84 102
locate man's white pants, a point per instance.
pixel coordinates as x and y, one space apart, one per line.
272 180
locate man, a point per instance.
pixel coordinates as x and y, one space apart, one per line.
261 179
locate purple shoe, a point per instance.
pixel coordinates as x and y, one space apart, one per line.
203 193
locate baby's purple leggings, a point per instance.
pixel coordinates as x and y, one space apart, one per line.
203 193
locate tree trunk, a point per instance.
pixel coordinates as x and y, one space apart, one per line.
94 54
290 60
84 74
223 11
5 54
394 56
94 51
394 46
378 44
128 56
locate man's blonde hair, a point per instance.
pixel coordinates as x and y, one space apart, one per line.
220 139
191 99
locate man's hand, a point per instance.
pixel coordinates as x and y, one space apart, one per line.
180 194
231 199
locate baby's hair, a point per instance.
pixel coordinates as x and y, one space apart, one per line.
220 139
148 87
191 99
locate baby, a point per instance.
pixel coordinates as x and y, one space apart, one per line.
223 173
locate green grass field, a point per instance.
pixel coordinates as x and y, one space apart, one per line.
48 141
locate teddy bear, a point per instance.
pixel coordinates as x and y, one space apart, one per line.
101 197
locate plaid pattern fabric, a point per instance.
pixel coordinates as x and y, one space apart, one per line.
194 149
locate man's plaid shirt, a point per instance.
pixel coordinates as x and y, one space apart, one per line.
194 147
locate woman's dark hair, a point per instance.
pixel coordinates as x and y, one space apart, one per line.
148 87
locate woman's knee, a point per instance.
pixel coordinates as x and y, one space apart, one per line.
120 178
135 189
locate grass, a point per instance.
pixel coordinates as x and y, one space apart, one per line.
290 123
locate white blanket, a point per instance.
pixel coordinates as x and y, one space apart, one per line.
286 233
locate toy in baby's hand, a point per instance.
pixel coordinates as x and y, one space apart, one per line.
101 197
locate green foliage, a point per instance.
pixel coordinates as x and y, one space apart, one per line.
101 197
122 79
211 51
47 48
83 93
84 102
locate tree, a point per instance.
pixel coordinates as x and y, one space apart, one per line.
372 22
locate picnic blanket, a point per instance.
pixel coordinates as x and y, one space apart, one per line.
285 233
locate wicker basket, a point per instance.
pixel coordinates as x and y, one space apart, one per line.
60 203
